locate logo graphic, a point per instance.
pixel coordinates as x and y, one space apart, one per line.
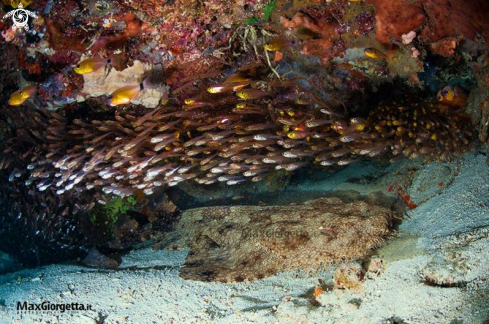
20 17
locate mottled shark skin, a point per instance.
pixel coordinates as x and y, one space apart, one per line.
232 244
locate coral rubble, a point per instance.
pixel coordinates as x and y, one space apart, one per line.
239 243
348 276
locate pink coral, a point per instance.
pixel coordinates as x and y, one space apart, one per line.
415 51
409 37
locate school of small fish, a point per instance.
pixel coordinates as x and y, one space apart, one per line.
237 130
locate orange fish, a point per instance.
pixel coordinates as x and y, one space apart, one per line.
91 65
452 96
447 93
124 95
374 53
20 96
298 134
277 44
247 94
236 78
223 88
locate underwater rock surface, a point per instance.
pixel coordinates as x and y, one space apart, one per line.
101 83
236 243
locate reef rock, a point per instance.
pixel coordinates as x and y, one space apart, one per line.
478 107
395 18
96 259
322 46
445 47
237 243
100 83
127 233
348 276
437 19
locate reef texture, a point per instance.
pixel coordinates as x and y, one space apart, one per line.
452 265
229 244
326 42
478 109
442 21
393 19
348 276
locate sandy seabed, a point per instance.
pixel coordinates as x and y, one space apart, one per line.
435 270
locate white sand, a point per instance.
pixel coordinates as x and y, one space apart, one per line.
445 239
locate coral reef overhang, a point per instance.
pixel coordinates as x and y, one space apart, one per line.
345 82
